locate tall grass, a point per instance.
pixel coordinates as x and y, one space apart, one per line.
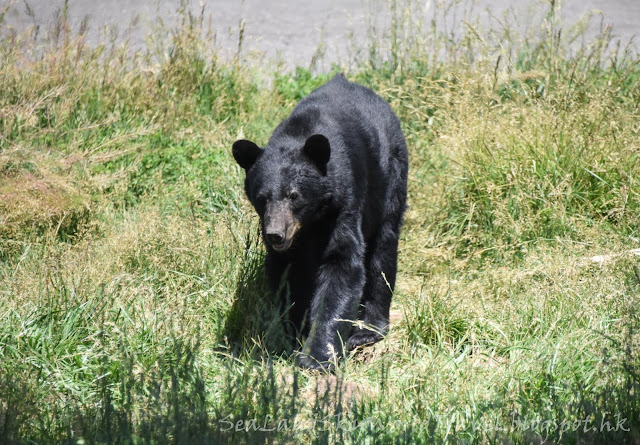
132 299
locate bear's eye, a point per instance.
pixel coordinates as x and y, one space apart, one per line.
261 198
293 195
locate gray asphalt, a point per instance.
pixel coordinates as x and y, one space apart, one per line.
290 33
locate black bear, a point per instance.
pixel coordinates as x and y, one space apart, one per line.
330 189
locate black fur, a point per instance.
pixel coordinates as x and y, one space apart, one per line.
330 189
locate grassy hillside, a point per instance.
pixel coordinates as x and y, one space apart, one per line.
132 300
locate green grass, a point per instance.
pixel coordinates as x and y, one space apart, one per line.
133 306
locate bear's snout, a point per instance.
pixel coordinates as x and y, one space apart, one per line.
275 238
280 226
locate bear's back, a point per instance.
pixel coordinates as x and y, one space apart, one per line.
342 97
345 108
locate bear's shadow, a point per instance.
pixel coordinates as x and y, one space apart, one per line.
254 323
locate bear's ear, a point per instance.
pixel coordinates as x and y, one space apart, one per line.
318 150
245 153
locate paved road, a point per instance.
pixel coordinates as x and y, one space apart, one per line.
292 31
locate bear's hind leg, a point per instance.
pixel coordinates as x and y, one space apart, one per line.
381 267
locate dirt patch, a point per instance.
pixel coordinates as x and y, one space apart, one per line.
32 203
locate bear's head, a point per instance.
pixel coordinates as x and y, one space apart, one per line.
287 185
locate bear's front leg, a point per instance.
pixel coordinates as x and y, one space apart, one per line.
334 305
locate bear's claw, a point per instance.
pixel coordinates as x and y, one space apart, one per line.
363 337
310 363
